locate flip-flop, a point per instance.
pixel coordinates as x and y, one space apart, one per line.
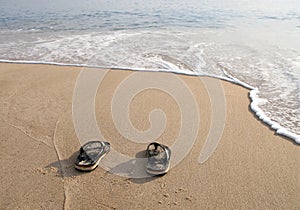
158 159
90 155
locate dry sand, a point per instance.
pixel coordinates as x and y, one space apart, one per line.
251 168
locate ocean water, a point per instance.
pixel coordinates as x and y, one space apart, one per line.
253 43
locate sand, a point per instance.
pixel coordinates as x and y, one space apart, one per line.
251 168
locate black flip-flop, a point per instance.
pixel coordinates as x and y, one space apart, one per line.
90 155
158 159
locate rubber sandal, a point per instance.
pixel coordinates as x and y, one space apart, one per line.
90 155
158 159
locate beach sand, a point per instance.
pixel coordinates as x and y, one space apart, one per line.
251 168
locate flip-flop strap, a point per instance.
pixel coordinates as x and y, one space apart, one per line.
156 145
83 155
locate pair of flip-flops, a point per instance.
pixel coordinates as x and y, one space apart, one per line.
92 152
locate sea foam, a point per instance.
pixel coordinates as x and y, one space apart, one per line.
263 117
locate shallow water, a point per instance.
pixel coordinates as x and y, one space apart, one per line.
256 42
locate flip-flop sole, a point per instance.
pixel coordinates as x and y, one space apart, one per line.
156 172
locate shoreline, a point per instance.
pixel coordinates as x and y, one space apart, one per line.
250 168
254 104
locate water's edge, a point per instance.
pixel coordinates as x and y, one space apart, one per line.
253 92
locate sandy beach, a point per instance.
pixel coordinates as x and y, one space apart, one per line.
251 168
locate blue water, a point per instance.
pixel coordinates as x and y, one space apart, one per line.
95 15
257 42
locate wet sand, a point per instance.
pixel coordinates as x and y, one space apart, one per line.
251 168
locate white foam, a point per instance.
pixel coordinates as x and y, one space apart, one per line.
237 81
255 102
262 116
